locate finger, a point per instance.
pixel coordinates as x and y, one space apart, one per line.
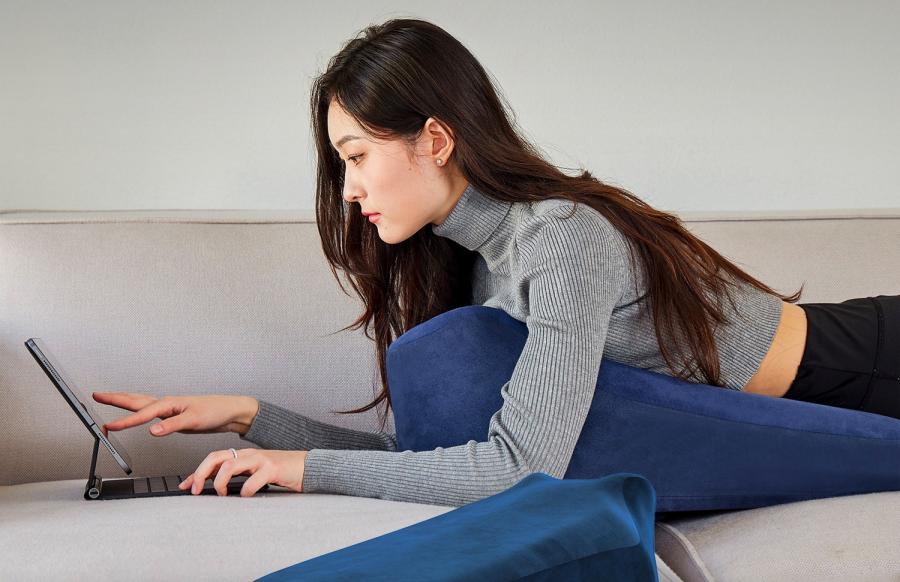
187 482
158 409
207 467
256 482
169 425
125 400
229 469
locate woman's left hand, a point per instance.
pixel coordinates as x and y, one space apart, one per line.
284 468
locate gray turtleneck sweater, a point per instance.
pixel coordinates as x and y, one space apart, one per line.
571 282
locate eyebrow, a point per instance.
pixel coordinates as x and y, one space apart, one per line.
345 139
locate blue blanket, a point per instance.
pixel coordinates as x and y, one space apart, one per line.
542 528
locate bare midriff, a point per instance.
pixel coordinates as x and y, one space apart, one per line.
779 368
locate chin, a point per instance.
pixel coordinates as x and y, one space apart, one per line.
392 238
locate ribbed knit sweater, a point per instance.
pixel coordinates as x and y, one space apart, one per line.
569 279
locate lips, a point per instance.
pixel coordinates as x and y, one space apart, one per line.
374 217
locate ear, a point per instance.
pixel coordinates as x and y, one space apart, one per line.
440 138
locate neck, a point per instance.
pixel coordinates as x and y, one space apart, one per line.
475 222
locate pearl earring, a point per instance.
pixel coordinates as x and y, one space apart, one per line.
439 162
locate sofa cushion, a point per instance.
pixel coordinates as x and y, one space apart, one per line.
702 447
855 537
55 534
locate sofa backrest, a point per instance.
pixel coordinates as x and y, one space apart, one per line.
243 302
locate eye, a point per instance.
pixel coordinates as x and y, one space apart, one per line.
354 158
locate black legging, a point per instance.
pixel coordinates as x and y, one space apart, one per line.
852 355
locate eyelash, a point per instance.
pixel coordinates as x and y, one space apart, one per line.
354 158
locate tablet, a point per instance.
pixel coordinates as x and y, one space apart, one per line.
70 392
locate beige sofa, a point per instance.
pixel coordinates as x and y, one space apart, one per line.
242 302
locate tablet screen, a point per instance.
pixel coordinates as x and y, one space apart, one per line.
76 399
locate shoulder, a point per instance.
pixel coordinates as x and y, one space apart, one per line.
560 226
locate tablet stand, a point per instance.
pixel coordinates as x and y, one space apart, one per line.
95 482
97 488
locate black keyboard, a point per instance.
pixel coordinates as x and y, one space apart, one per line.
169 483
158 486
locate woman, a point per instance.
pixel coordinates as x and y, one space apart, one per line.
462 209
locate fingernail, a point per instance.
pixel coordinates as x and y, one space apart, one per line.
156 429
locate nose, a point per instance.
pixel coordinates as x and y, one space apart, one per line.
348 194
351 199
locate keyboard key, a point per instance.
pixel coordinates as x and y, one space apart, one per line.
172 482
157 485
141 485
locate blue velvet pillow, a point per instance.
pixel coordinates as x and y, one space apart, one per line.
702 447
541 528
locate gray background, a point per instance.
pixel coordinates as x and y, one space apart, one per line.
693 106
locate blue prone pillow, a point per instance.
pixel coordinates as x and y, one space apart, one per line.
702 447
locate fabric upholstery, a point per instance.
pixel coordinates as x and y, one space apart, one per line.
823 540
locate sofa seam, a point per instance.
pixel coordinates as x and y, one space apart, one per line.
692 552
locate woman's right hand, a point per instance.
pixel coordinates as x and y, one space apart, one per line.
184 414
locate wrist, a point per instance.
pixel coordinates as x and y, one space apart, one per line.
248 413
302 455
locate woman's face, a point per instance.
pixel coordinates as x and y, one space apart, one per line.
381 177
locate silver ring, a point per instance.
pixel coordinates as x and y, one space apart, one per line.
233 452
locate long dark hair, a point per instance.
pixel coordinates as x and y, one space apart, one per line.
391 78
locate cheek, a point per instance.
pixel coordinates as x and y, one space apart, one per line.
396 189
379 177
405 202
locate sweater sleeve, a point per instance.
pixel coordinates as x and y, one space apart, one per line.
574 273
279 428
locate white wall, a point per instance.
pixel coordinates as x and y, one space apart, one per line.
694 106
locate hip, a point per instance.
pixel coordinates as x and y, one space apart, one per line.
851 356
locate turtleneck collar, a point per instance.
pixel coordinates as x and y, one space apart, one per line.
473 220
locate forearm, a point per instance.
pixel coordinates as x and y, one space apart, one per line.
278 428
451 476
